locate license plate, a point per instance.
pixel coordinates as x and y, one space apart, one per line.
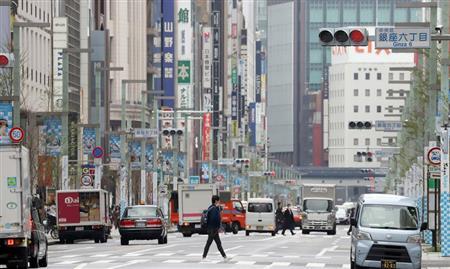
198 226
259 227
387 264
79 228
140 224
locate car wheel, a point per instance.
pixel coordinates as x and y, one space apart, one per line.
104 237
305 232
187 234
97 241
124 241
274 233
165 239
247 233
235 227
160 240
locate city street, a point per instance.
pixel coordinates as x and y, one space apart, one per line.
316 250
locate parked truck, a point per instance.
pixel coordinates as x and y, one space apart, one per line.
22 236
83 214
319 214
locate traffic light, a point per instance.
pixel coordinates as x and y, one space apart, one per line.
243 162
269 173
172 132
368 155
346 36
6 60
360 125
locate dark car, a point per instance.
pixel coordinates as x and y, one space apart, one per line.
143 222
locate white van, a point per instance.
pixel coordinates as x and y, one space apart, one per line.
260 216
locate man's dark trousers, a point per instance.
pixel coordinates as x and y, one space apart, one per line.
213 234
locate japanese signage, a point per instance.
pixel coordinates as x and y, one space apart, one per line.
6 121
390 37
184 71
252 124
388 126
216 71
168 50
207 57
184 55
206 136
258 71
60 28
145 132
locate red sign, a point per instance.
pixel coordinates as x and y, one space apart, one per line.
206 138
68 207
16 134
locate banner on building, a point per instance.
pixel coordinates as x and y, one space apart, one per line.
50 136
168 51
88 140
114 147
258 72
252 123
134 151
6 121
207 57
205 173
206 139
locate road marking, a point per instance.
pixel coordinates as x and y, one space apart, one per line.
315 265
290 256
67 262
69 256
70 250
260 255
346 266
103 261
173 261
229 249
321 253
281 263
81 266
245 262
166 254
193 254
128 263
141 252
101 255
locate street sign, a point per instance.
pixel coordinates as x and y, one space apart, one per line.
98 152
145 133
255 173
86 180
434 155
16 134
194 180
402 38
226 161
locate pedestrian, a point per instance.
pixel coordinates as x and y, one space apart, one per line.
213 225
288 220
350 216
116 216
278 218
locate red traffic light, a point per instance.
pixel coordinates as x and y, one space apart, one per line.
369 154
357 36
4 61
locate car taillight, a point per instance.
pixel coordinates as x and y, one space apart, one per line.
154 223
126 223
13 242
10 242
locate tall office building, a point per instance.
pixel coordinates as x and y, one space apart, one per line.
310 62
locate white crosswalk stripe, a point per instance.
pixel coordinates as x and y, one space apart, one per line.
173 261
245 262
281 263
315 265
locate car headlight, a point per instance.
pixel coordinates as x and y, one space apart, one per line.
414 239
363 236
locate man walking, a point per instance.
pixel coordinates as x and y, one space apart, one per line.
213 223
278 218
288 220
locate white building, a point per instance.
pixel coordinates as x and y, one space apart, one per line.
35 53
364 88
126 22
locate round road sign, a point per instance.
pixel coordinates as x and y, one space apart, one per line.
16 134
86 180
98 152
434 155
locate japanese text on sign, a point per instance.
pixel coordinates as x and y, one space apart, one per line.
390 37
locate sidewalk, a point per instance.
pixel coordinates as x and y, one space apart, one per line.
435 260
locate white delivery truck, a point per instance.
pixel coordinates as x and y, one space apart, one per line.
83 214
22 236
193 199
319 213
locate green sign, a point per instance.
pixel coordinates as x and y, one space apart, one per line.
12 182
433 183
184 71
234 76
183 15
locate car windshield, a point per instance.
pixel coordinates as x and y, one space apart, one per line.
389 217
342 211
317 205
260 207
140 212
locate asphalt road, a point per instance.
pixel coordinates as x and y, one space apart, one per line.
316 250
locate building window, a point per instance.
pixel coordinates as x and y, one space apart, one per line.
402 76
367 92
378 109
391 141
355 142
378 141
402 93
355 109
355 76
379 76
367 76
378 92
391 76
367 109
355 92
390 92
400 109
35 11
390 109
367 142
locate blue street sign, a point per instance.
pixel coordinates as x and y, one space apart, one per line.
98 152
